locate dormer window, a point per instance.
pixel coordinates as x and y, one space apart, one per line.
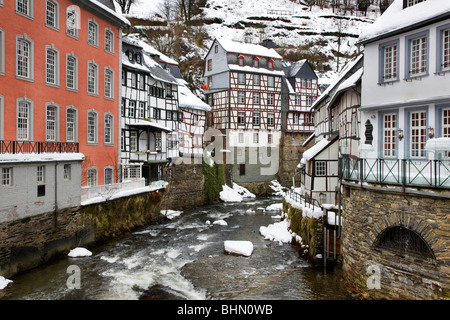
410 3
130 55
138 58
241 60
256 63
271 64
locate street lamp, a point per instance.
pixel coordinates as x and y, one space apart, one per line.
400 134
431 132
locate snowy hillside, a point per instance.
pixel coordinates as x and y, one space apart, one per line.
318 34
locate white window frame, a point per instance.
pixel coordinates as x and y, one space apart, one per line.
29 8
105 176
29 76
270 99
241 78
92 176
255 137
92 31
445 123
390 63
256 80
134 141
6 176
73 73
241 116
109 129
256 119
241 97
389 135
72 129
271 119
40 174
109 42
109 84
51 69
92 76
67 172
417 148
256 99
51 122
29 120
320 168
73 23
2 117
2 51
92 127
418 55
55 24
271 81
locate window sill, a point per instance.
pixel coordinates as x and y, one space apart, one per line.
71 89
25 15
52 85
52 27
24 78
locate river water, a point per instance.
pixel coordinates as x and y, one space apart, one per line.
184 258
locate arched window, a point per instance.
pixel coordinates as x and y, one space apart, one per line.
256 62
241 60
404 240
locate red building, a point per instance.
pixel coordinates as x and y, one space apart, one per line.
59 81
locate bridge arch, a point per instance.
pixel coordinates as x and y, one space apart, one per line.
401 239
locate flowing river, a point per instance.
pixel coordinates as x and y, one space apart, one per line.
184 258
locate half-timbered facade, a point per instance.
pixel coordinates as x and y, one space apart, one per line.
302 87
337 133
149 111
245 84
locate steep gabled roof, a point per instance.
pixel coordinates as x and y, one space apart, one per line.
299 69
248 48
396 20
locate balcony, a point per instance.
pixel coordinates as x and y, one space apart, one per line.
16 147
400 172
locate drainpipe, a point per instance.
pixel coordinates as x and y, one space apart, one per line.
56 196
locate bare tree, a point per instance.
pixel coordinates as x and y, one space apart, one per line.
125 5
167 9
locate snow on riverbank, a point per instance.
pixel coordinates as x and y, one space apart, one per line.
170 214
235 194
79 252
4 282
244 248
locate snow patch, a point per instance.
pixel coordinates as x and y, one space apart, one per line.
235 194
170 214
220 222
79 252
4 282
244 248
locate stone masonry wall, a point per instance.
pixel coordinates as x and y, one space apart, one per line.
385 273
29 242
185 189
290 154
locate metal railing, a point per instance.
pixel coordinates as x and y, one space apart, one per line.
402 172
15 147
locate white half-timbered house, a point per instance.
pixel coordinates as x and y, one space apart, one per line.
302 87
245 84
192 110
149 111
337 137
405 109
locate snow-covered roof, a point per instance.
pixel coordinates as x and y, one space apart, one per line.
187 99
116 12
317 148
248 48
337 81
346 84
235 67
40 157
156 71
147 123
396 19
